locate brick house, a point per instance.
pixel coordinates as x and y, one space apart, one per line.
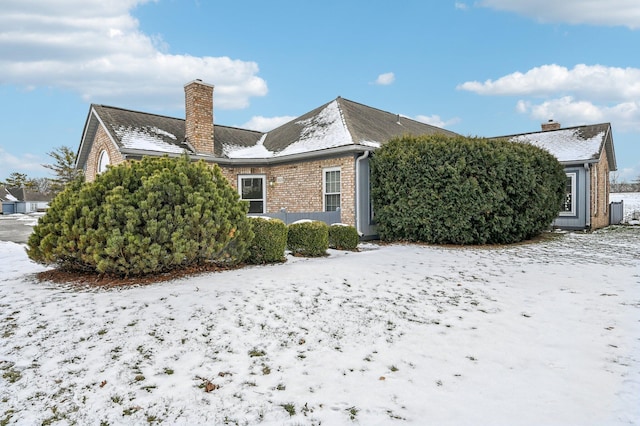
315 166
587 154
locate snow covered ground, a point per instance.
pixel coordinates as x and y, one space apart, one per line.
541 333
631 205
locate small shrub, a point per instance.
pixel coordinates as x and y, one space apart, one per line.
269 240
343 237
308 238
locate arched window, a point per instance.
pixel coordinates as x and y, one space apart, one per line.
103 162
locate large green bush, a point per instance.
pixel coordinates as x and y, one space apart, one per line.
308 238
459 190
343 237
269 241
147 216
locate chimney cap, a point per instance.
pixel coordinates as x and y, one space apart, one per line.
198 81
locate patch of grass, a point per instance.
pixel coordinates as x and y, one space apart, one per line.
281 387
266 370
129 411
168 371
353 412
11 375
289 408
256 353
117 399
102 332
139 378
7 417
393 368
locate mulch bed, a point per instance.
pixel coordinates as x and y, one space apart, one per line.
105 280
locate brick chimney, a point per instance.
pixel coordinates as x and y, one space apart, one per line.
198 97
550 125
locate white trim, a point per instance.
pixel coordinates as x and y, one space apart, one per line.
324 186
101 167
264 190
574 177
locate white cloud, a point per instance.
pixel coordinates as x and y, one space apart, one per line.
265 124
461 6
435 120
596 81
385 79
569 111
584 94
95 48
28 164
594 12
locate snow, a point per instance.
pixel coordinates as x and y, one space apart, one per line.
565 145
530 334
631 205
10 197
148 139
322 131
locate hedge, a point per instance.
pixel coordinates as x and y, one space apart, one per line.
308 238
459 190
269 241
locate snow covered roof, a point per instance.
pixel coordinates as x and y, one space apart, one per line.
339 123
574 144
22 194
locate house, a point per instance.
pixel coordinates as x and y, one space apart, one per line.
587 154
20 200
315 166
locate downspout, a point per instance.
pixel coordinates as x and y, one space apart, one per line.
358 200
587 196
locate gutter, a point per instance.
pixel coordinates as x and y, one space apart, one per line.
364 156
223 161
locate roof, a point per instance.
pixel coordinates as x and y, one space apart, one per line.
22 194
580 144
339 123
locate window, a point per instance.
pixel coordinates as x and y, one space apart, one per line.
103 161
252 189
569 203
331 189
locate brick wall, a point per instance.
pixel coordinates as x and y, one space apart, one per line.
600 193
298 187
102 142
199 116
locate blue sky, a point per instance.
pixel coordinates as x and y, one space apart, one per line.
477 67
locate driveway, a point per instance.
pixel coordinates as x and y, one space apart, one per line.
17 227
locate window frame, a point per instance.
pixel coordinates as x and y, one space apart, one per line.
264 190
574 180
102 167
325 193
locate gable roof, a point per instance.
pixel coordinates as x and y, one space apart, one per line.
339 123
22 194
580 144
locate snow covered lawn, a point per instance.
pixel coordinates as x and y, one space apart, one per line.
545 333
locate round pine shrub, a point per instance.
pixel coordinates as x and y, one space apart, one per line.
144 217
269 241
343 237
308 238
458 190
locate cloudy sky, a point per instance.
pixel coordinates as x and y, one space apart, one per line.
476 67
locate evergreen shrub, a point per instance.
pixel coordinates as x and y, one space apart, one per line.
308 238
459 190
143 217
269 241
343 237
